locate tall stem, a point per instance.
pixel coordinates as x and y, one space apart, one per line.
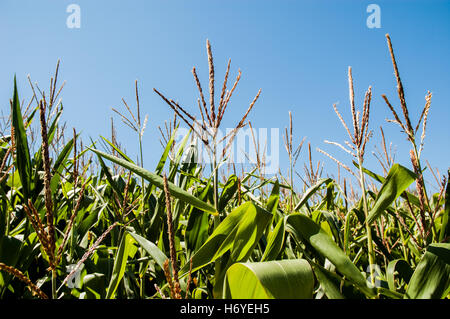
217 267
419 167
366 214
54 294
292 183
141 250
216 185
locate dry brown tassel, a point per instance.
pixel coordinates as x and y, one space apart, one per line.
47 189
19 275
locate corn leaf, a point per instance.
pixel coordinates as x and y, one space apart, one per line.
197 227
398 180
311 192
329 282
228 192
431 279
238 233
305 229
278 279
275 242
23 161
151 249
157 180
400 267
445 226
120 263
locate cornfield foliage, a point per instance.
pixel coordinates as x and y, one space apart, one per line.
73 227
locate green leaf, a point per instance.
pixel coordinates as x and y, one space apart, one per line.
305 229
23 161
59 165
431 279
274 242
311 191
94 284
334 226
412 198
197 226
329 282
63 155
157 180
118 150
239 233
162 160
250 230
445 226
277 279
9 255
228 192
375 176
401 267
151 249
398 180
272 203
120 263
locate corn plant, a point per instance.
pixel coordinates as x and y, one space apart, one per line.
81 222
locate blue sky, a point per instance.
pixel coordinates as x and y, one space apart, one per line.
297 52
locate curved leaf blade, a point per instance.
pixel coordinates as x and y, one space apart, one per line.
304 228
431 279
157 180
279 279
398 180
23 160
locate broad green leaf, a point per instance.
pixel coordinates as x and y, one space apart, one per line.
165 154
311 192
174 164
277 279
151 249
157 180
329 282
109 178
9 255
118 150
228 192
23 161
400 267
412 198
53 126
274 242
63 155
94 284
272 203
431 278
59 165
304 229
197 226
239 233
389 293
375 176
445 225
398 180
334 226
120 263
250 230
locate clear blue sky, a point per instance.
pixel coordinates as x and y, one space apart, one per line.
297 52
